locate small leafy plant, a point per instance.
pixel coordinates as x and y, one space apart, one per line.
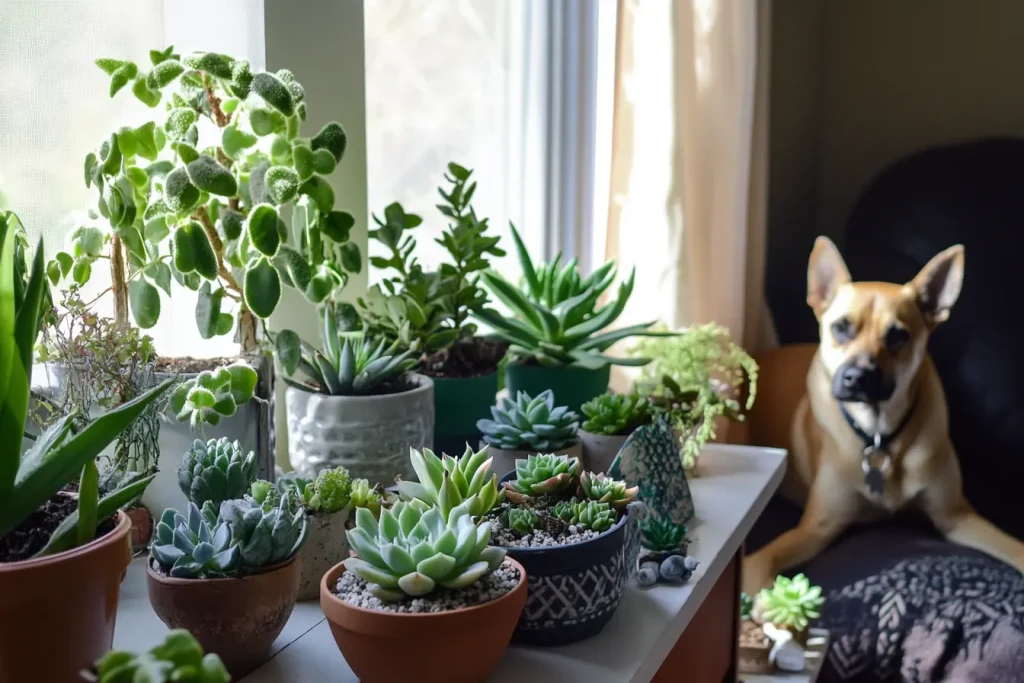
541 475
662 535
615 414
589 514
521 520
604 489
328 493
790 603
179 659
216 470
446 482
214 394
373 498
532 424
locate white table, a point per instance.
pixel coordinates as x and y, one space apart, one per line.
736 483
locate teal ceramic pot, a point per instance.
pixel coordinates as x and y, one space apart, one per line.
458 403
572 385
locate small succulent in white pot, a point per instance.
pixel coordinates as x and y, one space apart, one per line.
527 426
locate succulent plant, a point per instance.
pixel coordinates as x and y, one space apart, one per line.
519 519
615 414
216 471
373 498
264 536
530 424
604 489
211 395
179 659
542 474
192 547
328 493
790 603
586 513
746 607
662 535
411 550
446 481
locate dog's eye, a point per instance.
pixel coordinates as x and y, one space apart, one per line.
842 330
896 338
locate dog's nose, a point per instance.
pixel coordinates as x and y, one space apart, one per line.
861 380
854 376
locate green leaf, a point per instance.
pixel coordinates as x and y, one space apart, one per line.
262 121
231 222
156 56
241 78
235 141
208 310
144 301
144 94
282 183
137 176
212 63
294 265
332 138
109 66
90 163
160 273
458 172
88 499
273 92
262 229
323 162
321 192
302 157
156 231
65 262
81 272
145 138
163 73
224 324
178 122
288 350
351 259
122 77
110 155
209 176
281 150
243 382
262 288
185 151
180 195
193 251
87 240
337 225
319 288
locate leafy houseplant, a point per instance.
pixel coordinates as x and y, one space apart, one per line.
790 604
610 419
179 659
38 523
529 425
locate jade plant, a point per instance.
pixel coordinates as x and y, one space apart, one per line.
543 474
790 603
532 424
446 482
412 549
662 535
615 414
179 659
198 194
216 470
604 489
556 318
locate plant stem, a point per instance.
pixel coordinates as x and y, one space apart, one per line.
118 284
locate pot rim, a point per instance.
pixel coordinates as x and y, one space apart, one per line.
423 385
529 362
233 580
581 430
334 573
557 451
121 528
555 548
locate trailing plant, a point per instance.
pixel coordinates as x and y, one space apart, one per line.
328 493
215 471
197 196
615 414
556 319
603 489
589 514
530 424
412 549
661 534
179 659
790 603
542 475
61 452
446 482
213 394
521 520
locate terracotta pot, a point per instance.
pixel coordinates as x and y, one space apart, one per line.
461 646
142 527
238 619
505 460
326 546
57 613
754 650
599 450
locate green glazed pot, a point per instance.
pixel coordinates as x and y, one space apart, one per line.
458 403
573 386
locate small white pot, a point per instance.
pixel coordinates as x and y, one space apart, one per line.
505 461
325 547
599 450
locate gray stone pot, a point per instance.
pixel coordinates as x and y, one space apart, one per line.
368 435
505 461
325 547
599 450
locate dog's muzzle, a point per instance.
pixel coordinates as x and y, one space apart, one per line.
861 382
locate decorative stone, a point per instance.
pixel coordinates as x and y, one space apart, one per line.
651 460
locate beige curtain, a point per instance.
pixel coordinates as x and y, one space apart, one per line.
689 162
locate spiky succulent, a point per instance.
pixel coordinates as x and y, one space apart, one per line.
586 513
446 481
363 495
411 550
790 603
604 489
662 535
179 659
216 471
264 536
542 474
350 365
530 424
615 414
192 547
519 519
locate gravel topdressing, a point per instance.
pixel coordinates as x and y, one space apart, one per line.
504 579
540 538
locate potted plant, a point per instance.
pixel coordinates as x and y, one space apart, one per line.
527 426
360 409
570 529
558 332
50 627
423 582
326 501
789 605
373 498
179 659
610 419
229 574
429 311
663 556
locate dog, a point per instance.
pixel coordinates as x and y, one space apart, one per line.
870 435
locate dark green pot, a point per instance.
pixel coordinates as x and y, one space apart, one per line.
573 386
458 403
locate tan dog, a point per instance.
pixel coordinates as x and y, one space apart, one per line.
873 387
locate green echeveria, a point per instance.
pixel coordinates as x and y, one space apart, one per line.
662 534
604 489
790 603
446 482
519 519
530 424
615 414
586 513
263 536
542 474
412 549
192 547
216 471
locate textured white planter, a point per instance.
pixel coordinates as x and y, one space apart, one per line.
368 435
325 547
599 450
505 461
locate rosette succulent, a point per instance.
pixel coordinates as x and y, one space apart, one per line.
363 495
263 536
216 471
586 513
519 519
790 603
541 475
412 549
446 482
615 414
328 493
604 489
662 535
179 659
530 424
192 547
211 395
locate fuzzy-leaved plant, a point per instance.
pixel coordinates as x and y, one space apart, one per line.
531 424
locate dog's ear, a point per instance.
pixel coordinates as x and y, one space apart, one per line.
825 273
938 284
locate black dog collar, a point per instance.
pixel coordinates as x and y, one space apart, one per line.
874 475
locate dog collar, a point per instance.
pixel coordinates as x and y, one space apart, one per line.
874 475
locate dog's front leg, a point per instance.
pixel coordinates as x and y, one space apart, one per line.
831 507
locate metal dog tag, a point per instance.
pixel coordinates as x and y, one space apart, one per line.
874 477
875 481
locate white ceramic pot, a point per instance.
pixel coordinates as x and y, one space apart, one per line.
599 450
505 461
325 547
370 436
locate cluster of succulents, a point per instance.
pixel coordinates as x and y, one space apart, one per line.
663 558
544 474
446 482
211 395
521 520
179 659
531 424
604 489
216 470
790 603
589 514
329 492
190 547
373 498
615 414
662 535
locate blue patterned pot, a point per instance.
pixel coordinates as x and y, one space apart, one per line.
573 590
